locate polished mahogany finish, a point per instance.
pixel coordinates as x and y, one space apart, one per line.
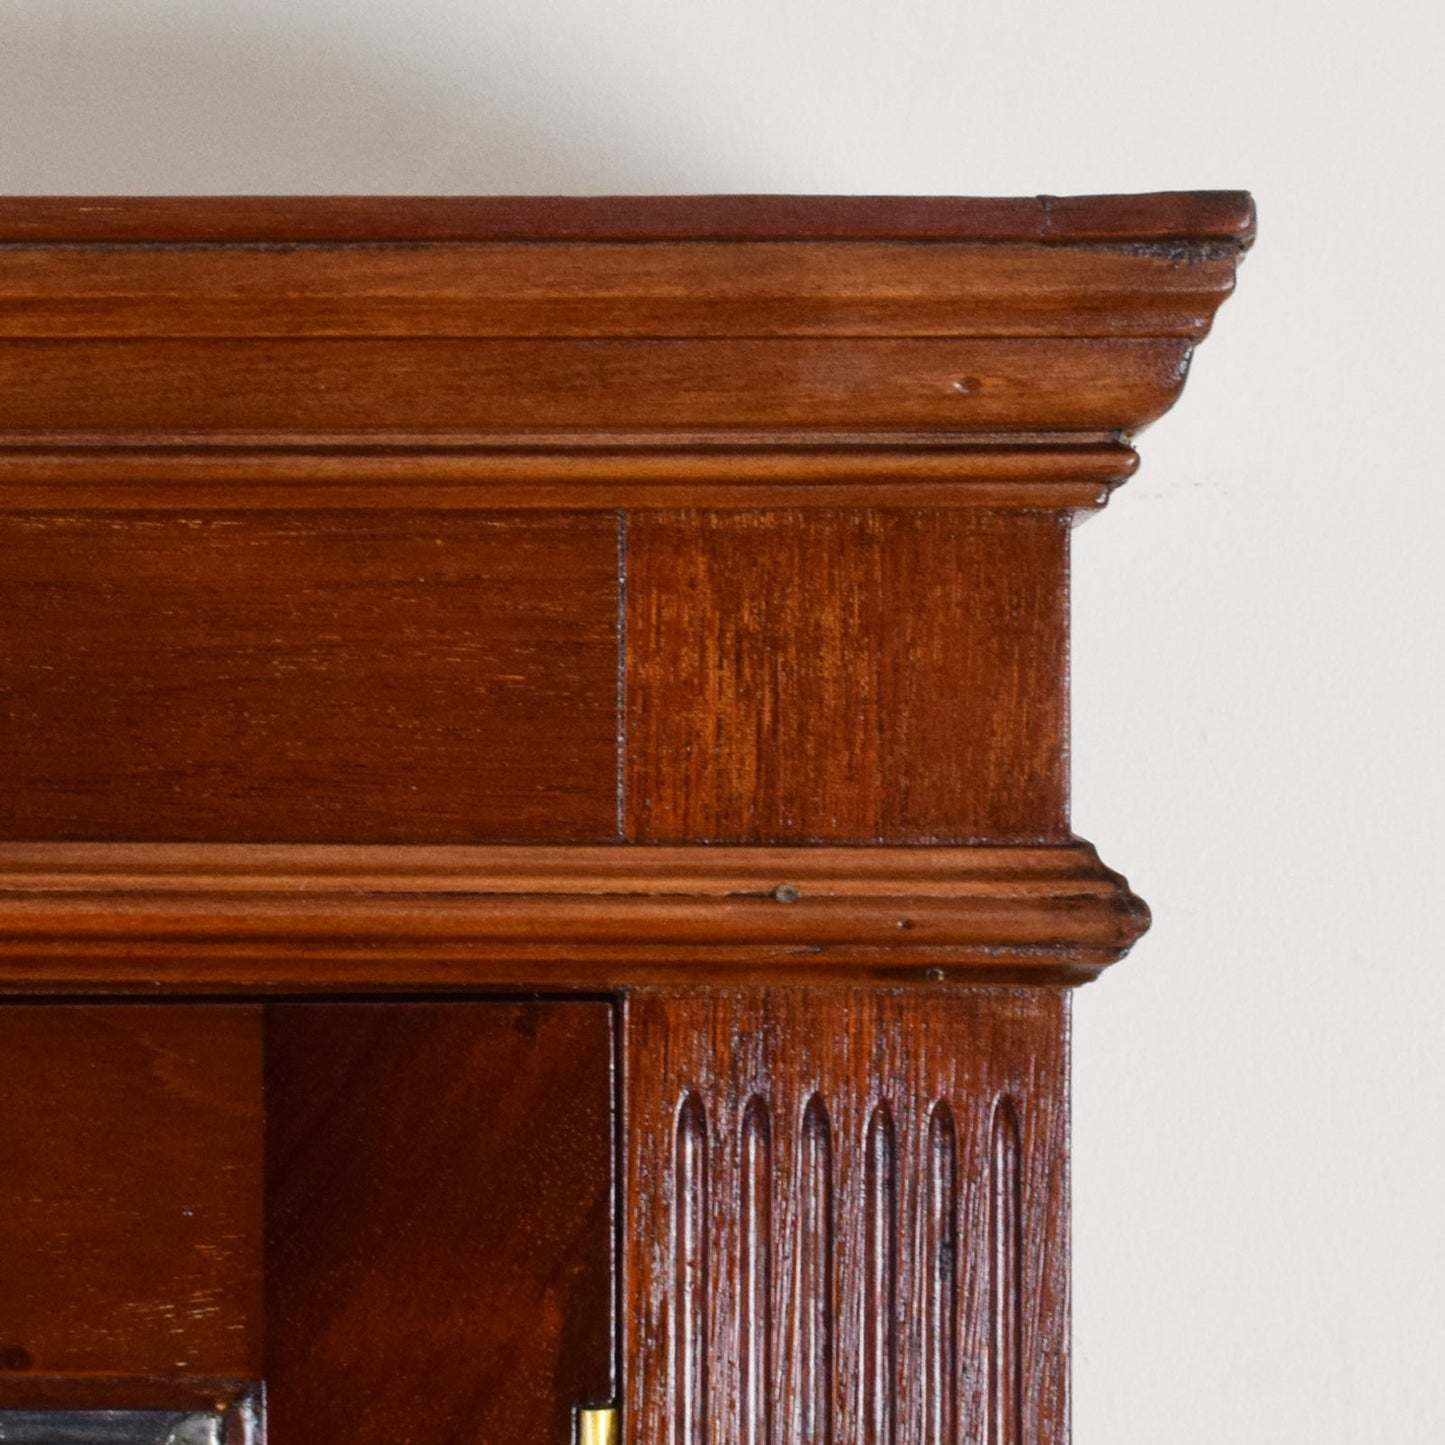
131 1146
755 716
238 918
533 732
850 1216
1164 216
309 677
439 1220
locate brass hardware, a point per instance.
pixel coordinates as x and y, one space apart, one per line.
597 1427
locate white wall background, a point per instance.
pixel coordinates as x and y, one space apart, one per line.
1260 1175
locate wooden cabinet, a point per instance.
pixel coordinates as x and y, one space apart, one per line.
537 870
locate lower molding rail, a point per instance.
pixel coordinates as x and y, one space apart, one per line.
226 918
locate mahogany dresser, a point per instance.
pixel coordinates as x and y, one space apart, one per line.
537 895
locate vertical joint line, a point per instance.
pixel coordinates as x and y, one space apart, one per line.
621 824
618 1323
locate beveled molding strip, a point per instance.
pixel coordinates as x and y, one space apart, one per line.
187 918
161 474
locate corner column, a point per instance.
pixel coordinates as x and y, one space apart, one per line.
846 1207
847 1216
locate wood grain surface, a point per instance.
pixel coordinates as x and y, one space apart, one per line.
653 289
313 678
853 676
130 1198
416 610
138 917
547 474
847 1217
157 385
439 1221
27 1390
1226 216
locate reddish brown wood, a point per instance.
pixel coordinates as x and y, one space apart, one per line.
590 289
154 388
439 1235
309 677
30 1391
848 1216
235 918
717 544
130 1197
1226 216
856 676
469 475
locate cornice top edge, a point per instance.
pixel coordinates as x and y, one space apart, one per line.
1219 216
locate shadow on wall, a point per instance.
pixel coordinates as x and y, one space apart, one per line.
220 104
